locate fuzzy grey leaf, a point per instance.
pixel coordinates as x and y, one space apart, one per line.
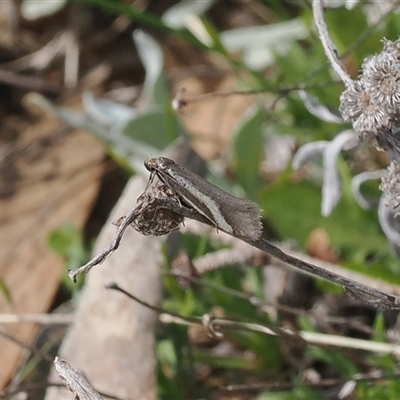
176 16
33 9
259 44
331 189
307 152
73 118
106 112
314 106
388 223
363 201
151 55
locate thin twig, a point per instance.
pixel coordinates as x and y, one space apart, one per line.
159 310
249 231
27 388
312 338
179 101
44 319
265 305
248 255
27 82
324 383
214 325
364 293
31 349
71 65
107 251
378 299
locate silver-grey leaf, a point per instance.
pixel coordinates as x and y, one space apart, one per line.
307 152
314 106
151 55
34 9
331 188
106 112
73 118
365 202
176 16
388 222
259 44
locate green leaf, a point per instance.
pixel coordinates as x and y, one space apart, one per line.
355 22
300 393
134 13
248 150
335 359
168 384
5 290
65 240
294 211
380 330
224 362
153 128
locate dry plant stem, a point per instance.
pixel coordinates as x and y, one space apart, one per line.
71 66
229 93
75 381
179 101
215 324
364 293
40 59
31 349
311 338
23 389
264 305
330 49
377 298
239 256
43 319
181 193
29 82
353 275
324 383
159 310
107 251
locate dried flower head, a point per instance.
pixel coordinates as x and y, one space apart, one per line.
152 217
392 48
357 107
390 185
351 102
381 81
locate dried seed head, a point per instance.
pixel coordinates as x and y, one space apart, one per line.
372 104
152 217
390 186
392 48
381 81
357 106
352 102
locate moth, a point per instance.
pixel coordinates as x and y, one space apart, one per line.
233 215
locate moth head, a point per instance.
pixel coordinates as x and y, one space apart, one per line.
158 164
